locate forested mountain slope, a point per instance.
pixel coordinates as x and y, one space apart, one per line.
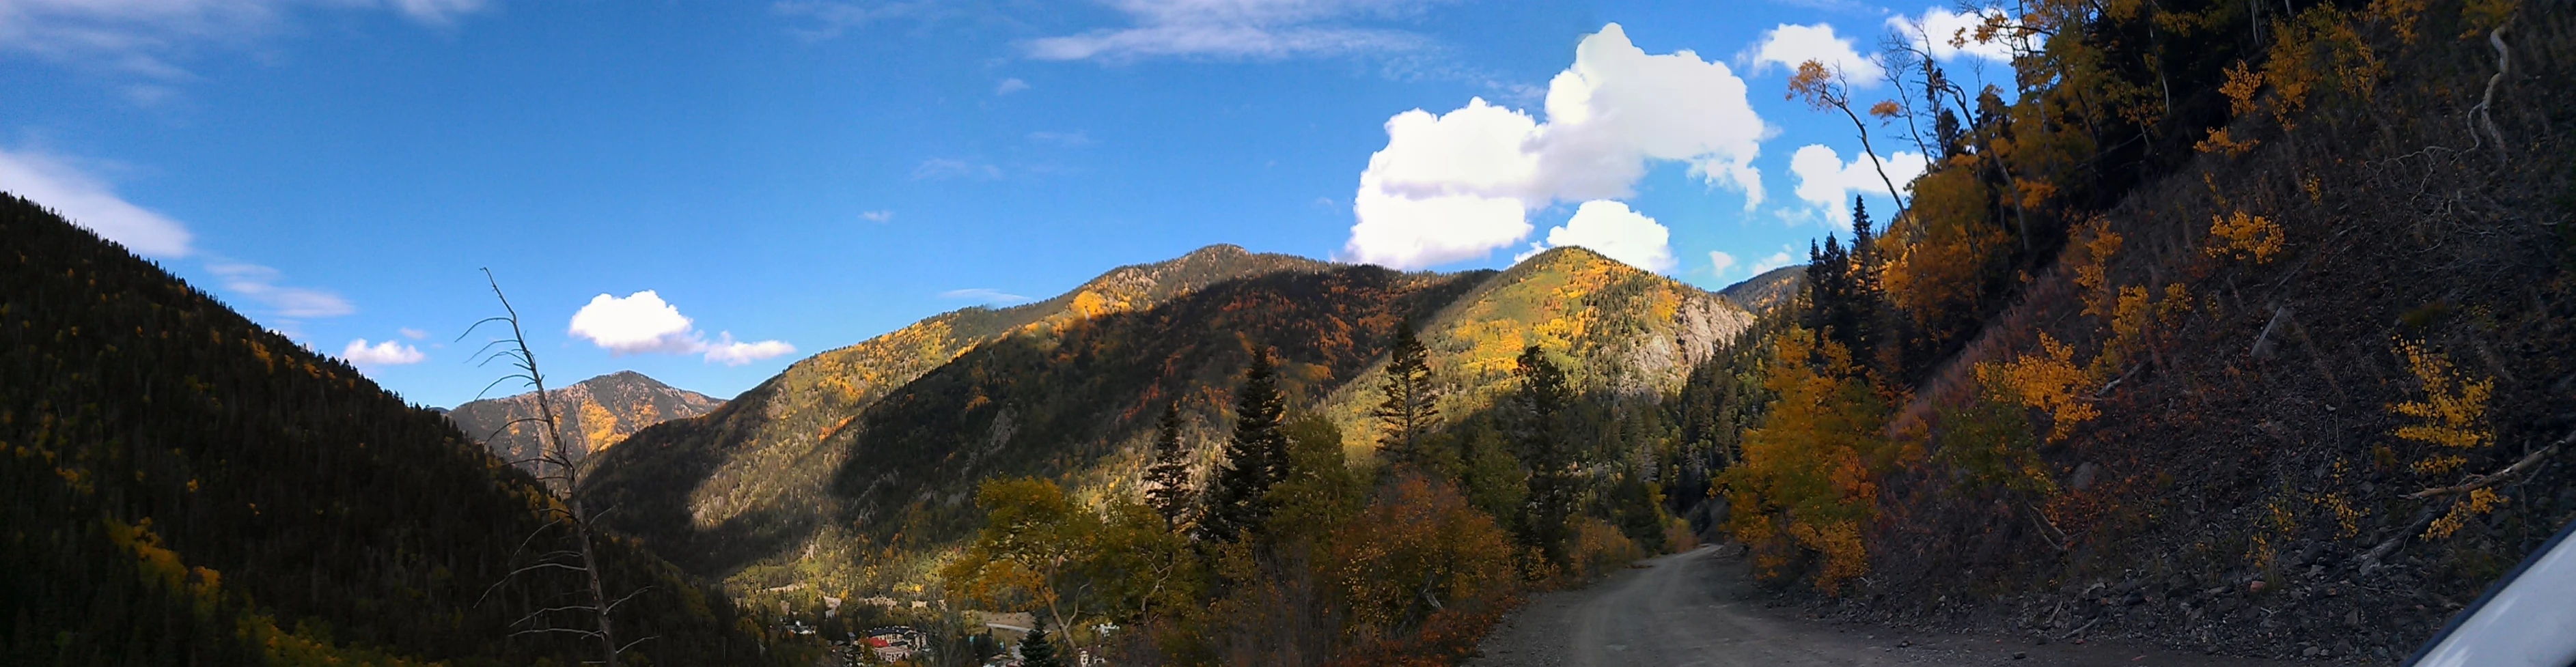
184 487
595 414
1772 288
2265 347
751 475
885 489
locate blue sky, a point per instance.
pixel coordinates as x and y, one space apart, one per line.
790 177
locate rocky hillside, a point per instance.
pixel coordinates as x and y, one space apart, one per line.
1772 288
879 483
596 414
757 463
1628 334
184 486
2289 377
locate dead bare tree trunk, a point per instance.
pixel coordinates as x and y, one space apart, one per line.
563 481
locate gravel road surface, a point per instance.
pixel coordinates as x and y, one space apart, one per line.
1699 608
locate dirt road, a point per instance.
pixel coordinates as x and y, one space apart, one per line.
1697 608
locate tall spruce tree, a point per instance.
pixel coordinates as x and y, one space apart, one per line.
1170 475
1845 302
1256 456
1541 406
1037 650
1868 298
1410 409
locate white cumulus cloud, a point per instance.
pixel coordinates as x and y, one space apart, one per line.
1610 228
1828 183
88 202
637 324
1776 260
1949 34
1010 85
1458 185
1239 30
1719 262
731 352
643 323
414 334
876 216
1792 45
388 353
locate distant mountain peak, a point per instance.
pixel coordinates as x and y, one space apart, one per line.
1217 251
595 414
1772 288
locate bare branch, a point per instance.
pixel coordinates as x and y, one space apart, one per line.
548 610
577 631
629 596
2475 482
622 649
2484 111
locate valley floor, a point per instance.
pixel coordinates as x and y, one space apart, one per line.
1701 608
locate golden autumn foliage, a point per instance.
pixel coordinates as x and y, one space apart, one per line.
2220 141
1029 550
2094 246
2048 381
1599 548
1808 481
1938 255
1418 548
2244 236
159 567
2139 323
2243 84
2452 414
2479 501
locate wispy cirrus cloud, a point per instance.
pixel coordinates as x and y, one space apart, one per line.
1074 139
942 168
827 19
87 201
265 286
1241 30
984 295
149 38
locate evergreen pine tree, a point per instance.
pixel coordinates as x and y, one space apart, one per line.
1170 476
1409 408
1036 650
1868 298
1256 456
1542 402
1829 290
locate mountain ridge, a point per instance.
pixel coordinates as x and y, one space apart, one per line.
595 414
751 471
186 486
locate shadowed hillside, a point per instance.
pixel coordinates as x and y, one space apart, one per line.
185 487
761 453
596 414
1072 396
2277 364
